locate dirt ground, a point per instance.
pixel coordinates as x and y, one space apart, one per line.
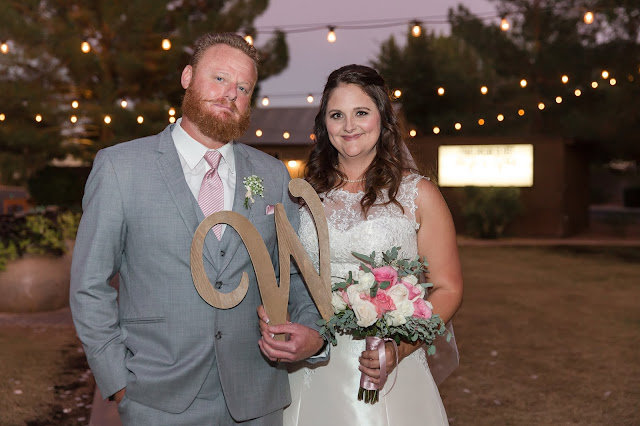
547 336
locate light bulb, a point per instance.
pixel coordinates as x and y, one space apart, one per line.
412 133
248 39
292 163
85 47
565 79
123 104
481 122
166 44
416 30
286 135
331 36
4 48
541 106
500 117
588 18
458 126
140 119
484 90
74 104
265 101
38 118
605 74
523 83
436 130
172 111
258 133
558 99
310 98
504 24
577 92
107 119
441 91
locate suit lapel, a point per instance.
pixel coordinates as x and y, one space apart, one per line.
171 170
231 240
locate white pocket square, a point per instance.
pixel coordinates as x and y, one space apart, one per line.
271 209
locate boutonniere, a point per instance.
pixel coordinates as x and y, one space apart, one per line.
253 185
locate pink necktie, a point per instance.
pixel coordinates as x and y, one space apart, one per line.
211 197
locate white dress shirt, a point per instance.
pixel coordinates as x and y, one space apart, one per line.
194 165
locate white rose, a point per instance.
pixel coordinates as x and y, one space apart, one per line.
395 318
353 293
429 304
366 280
410 279
405 308
398 294
366 314
338 302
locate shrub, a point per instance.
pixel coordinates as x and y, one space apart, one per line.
488 210
42 233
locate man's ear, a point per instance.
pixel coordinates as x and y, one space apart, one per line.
185 79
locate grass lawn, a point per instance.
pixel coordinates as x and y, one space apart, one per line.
547 336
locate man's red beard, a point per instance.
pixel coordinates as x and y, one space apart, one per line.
219 128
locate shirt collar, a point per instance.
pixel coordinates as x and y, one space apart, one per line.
193 151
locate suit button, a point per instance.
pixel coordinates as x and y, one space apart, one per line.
222 253
218 285
218 335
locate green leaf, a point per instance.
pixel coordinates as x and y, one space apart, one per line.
385 284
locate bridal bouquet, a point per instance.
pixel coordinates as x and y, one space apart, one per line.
383 302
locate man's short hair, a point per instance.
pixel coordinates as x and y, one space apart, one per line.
230 39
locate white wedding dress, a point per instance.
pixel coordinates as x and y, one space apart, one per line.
326 393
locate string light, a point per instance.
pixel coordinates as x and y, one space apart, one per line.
38 118
123 104
416 30
292 163
258 133
523 83
504 24
588 18
107 119
605 74
172 111
4 48
481 122
520 112
594 84
85 47
500 117
286 135
73 119
166 44
436 130
484 90
577 92
541 106
458 126
565 79
248 39
331 36
397 93
310 98
140 119
612 81
74 104
172 119
265 101
558 99
412 133
2 117
441 91
312 137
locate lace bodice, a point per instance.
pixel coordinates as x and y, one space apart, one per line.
385 226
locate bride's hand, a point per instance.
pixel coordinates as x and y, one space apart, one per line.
370 362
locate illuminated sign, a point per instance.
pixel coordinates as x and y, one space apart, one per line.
485 165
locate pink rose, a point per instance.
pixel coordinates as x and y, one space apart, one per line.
413 290
386 273
344 296
420 309
383 303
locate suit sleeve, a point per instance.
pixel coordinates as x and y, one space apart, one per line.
96 259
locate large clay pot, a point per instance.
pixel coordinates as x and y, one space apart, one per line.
36 283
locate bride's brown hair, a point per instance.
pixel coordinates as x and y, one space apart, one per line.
392 156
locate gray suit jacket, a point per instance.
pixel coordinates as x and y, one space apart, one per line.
160 338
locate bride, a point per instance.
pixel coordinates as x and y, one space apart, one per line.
374 200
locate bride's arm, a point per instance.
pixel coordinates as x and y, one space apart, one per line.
436 242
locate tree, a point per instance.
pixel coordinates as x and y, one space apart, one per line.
45 70
547 39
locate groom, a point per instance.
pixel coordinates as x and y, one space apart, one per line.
157 348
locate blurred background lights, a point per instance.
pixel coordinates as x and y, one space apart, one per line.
521 112
286 135
331 35
172 111
292 163
481 122
440 91
38 118
258 133
523 83
500 117
397 93
504 24
140 119
565 79
577 92
415 29
166 44
85 47
588 18
310 98
265 101
2 117
172 119
541 106
412 133
484 90
612 81
248 39
458 126
123 104
107 119
4 48
558 99
594 84
436 130
73 119
605 74
74 104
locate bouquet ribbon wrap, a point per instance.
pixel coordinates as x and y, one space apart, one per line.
377 343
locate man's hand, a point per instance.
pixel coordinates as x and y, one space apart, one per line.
302 341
